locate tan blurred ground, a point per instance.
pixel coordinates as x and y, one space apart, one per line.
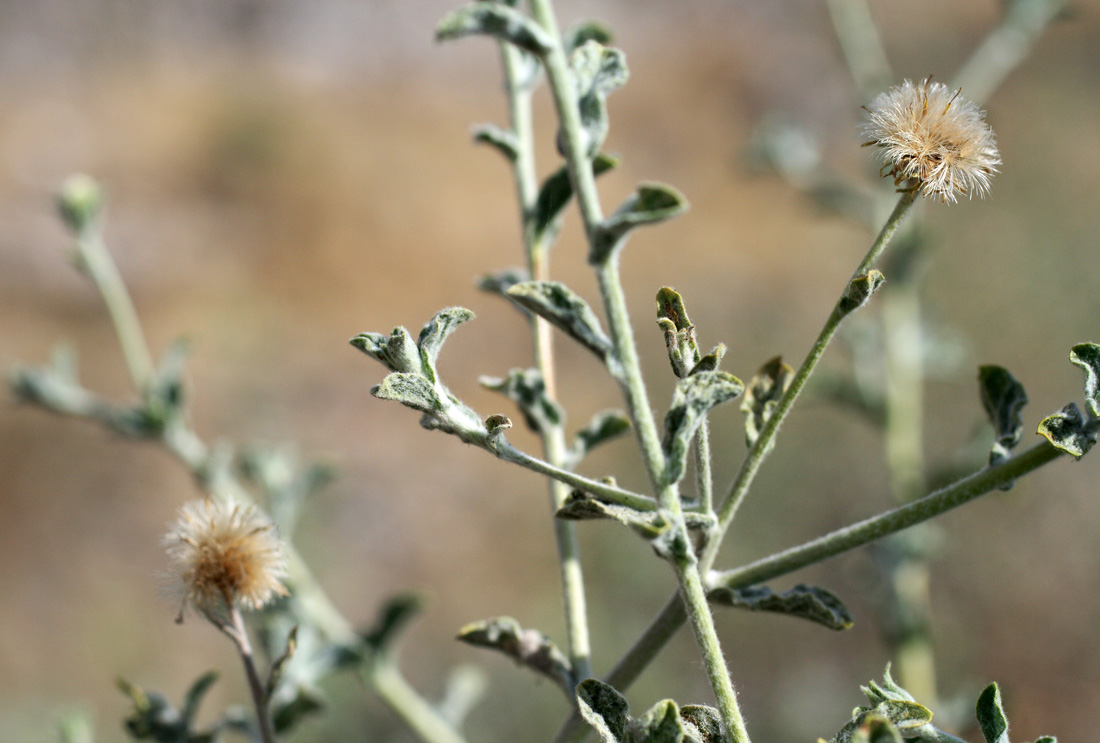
282 177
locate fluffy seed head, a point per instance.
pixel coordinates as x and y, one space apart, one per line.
931 135
223 553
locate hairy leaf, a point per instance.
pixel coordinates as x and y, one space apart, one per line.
651 203
397 351
702 724
436 332
604 426
991 715
501 140
1067 431
527 390
694 397
597 70
412 390
1003 398
672 318
555 194
565 310
807 602
762 396
604 708
496 20
660 724
1087 356
859 291
528 647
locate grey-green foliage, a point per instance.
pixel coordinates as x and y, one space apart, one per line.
693 398
527 389
1003 397
1069 431
762 396
649 204
566 310
648 524
497 20
597 71
154 718
608 712
814 603
527 647
860 290
1087 356
554 196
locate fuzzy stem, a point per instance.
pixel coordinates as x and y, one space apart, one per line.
553 439
704 479
93 259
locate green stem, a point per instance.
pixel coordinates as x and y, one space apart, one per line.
553 440
256 688
403 699
95 261
704 480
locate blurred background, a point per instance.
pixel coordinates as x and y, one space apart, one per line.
282 175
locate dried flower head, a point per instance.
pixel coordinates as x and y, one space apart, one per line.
932 136
222 554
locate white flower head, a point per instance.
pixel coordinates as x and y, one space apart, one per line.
934 137
222 553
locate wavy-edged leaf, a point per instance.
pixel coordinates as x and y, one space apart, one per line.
649 204
991 715
564 309
762 396
555 193
412 390
496 20
597 70
1003 397
501 140
711 361
694 397
396 351
604 708
604 426
393 617
527 389
1087 356
586 31
527 647
806 602
673 319
436 332
1067 431
649 523
702 724
502 281
888 691
660 724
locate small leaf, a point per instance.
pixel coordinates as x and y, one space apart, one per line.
500 283
585 31
1003 398
887 692
497 424
1067 431
412 390
501 140
527 390
528 647
603 708
565 310
648 524
876 728
651 203
275 675
286 714
702 724
1047 739
1087 356
807 602
711 361
604 426
762 396
496 20
195 694
694 397
392 619
555 194
397 351
80 202
991 715
436 332
597 70
672 318
661 724
859 291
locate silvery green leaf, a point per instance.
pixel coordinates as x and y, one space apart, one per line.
163 399
436 332
555 193
605 709
762 396
702 724
397 351
1087 356
649 524
888 691
660 724
527 647
991 715
1003 397
583 32
807 602
1067 431
393 617
502 281
859 291
526 388
597 70
694 397
501 140
496 20
604 426
649 204
412 390
672 318
565 310
711 361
